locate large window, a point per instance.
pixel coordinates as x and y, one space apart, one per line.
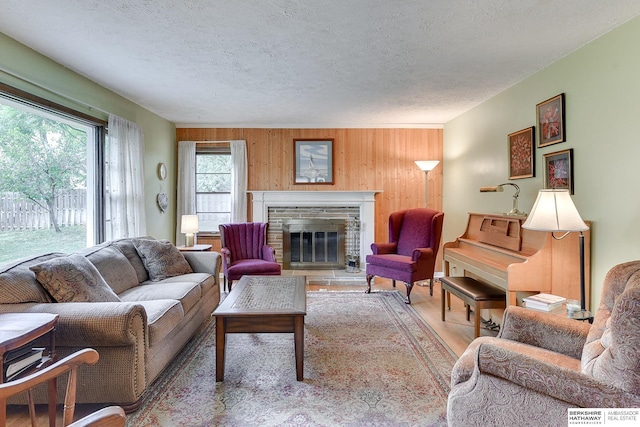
213 188
50 186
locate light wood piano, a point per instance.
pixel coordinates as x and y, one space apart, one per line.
496 250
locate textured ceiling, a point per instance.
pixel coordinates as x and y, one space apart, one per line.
314 63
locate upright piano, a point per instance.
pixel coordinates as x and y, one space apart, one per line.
497 251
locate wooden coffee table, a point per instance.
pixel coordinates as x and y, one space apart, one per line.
263 304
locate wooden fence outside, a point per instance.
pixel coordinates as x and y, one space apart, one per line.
18 213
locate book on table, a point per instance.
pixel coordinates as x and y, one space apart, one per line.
19 360
544 302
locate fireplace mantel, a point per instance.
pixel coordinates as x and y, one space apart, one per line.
365 200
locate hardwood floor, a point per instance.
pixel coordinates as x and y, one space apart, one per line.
456 332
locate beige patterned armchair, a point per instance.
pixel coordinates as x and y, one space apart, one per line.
541 364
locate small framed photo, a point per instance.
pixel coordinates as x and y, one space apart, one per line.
313 161
558 170
550 118
521 153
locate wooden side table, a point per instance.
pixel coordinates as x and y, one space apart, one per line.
195 248
20 329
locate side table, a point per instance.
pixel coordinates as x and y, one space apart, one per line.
581 315
195 248
20 329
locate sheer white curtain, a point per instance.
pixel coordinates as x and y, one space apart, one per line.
125 180
186 203
239 181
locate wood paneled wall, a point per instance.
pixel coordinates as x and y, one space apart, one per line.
364 159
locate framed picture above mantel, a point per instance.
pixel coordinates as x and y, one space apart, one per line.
313 161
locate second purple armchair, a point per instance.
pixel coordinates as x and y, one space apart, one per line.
245 251
410 255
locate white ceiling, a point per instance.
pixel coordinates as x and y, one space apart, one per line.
313 63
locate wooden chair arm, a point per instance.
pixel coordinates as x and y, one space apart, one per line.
87 355
112 416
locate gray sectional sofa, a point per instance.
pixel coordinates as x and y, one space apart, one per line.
136 301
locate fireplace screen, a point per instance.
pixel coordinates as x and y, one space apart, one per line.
313 244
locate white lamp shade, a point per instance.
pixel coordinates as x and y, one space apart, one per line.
427 165
554 211
189 224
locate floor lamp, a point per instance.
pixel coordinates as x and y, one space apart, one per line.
427 166
554 211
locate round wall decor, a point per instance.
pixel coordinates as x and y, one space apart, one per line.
162 171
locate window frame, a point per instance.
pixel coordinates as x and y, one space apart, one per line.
211 150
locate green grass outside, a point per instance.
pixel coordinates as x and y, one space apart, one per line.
19 244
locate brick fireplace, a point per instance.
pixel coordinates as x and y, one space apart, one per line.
355 209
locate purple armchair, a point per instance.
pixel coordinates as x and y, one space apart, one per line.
410 255
245 251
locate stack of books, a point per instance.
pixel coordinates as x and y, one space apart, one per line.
19 360
544 302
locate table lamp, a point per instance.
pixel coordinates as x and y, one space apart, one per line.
554 211
189 226
500 189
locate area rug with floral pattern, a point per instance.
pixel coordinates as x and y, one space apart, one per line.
369 360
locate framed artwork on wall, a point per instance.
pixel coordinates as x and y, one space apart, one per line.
521 153
550 119
313 161
558 170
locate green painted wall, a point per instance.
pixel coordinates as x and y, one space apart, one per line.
27 70
602 86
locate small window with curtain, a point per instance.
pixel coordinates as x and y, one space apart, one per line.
213 187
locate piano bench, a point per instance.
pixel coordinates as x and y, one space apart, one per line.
474 294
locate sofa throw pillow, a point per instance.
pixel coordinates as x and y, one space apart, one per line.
161 259
73 279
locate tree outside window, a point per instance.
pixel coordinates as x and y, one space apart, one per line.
40 158
46 166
